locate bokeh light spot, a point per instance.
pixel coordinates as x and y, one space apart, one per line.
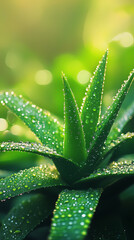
125 39
83 76
43 77
3 124
17 130
12 60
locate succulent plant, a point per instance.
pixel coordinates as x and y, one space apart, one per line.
81 151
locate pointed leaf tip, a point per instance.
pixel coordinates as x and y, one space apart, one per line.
91 107
74 142
103 129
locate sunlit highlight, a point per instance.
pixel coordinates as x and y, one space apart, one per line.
3 124
17 130
125 39
83 76
43 77
12 60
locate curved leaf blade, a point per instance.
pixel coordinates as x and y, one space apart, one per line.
36 148
29 179
73 214
68 170
25 216
120 123
91 107
74 142
95 151
107 176
109 149
119 141
44 126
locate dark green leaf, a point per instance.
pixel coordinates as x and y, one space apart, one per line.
45 127
25 216
74 142
29 179
73 214
120 123
95 151
114 172
91 107
113 145
119 141
67 169
29 147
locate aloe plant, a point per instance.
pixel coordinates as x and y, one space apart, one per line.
82 169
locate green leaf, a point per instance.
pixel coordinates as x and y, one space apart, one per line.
120 123
74 142
25 216
29 179
91 106
113 145
45 127
69 171
119 141
29 147
95 151
73 214
108 228
107 176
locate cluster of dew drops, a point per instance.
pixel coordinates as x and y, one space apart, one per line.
78 214
46 127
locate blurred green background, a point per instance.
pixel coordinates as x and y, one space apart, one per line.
39 39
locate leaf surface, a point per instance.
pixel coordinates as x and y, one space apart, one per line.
25 216
42 176
108 150
69 171
44 126
74 142
119 141
91 107
107 176
95 151
120 123
73 214
29 147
